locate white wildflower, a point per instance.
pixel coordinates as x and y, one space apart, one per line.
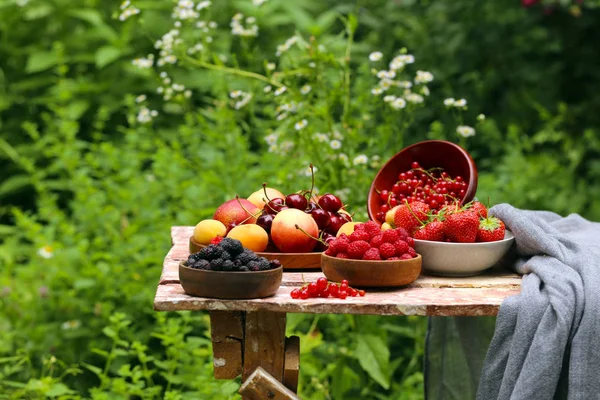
166 81
141 98
423 77
375 56
185 10
383 74
449 102
143 62
163 74
321 137
160 90
375 161
145 115
271 139
239 30
125 4
389 98
282 48
177 24
272 148
414 98
398 103
460 103
305 89
46 251
73 324
312 64
425 91
404 84
360 160
154 113
235 94
481 117
343 157
376 91
203 4
128 11
337 135
244 100
287 145
335 144
259 3
187 94
465 131
250 20
300 125
178 88
280 90
385 84
281 117
209 39
271 66
267 89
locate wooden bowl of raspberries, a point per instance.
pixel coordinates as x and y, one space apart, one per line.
227 270
436 172
370 257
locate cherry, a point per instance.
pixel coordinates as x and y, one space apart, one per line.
311 206
329 202
346 217
335 223
265 221
230 227
297 201
321 217
274 206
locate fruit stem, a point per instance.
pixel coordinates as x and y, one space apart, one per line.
413 214
264 185
312 178
250 215
310 236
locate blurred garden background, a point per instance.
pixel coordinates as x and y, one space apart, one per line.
119 120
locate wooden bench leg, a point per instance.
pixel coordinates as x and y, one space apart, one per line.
264 343
227 334
291 367
260 385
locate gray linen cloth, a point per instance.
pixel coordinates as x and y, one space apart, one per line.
546 343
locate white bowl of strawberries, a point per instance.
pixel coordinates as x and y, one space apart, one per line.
457 240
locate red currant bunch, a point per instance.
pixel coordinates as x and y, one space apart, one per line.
323 288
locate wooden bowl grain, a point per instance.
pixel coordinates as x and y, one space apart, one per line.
229 284
289 261
361 273
429 154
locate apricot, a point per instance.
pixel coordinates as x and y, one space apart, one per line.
252 236
208 229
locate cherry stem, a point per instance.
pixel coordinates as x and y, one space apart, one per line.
264 185
250 215
310 236
312 178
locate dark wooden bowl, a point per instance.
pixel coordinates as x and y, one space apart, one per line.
228 284
429 154
288 260
361 273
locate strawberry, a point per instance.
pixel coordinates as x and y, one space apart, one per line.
356 250
433 231
410 216
359 235
491 229
387 250
479 209
372 254
461 226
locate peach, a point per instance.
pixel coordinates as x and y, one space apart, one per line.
207 229
287 238
232 211
259 199
252 236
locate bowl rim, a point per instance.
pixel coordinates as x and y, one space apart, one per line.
480 244
472 168
269 253
181 265
375 262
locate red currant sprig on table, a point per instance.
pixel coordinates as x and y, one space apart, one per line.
434 187
323 288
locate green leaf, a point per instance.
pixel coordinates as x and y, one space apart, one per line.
373 355
94 369
41 61
84 283
110 332
58 389
106 55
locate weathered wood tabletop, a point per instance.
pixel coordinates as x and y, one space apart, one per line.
428 295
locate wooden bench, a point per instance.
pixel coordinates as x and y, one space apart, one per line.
248 334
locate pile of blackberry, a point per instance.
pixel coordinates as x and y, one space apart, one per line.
229 255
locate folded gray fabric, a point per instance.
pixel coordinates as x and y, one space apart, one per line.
546 343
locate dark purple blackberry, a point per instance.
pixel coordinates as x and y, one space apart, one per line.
275 264
228 265
225 255
263 264
232 246
210 252
201 264
244 269
253 266
246 256
192 258
217 264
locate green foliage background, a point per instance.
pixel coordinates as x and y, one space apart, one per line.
79 175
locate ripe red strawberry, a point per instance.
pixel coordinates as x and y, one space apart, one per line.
372 228
410 216
376 241
401 247
372 254
359 235
461 226
356 250
479 209
491 229
387 250
390 236
433 231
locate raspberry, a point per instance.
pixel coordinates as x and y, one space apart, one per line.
372 254
359 227
406 256
357 249
394 258
412 252
372 228
390 236
216 240
331 250
401 246
376 241
359 235
387 250
342 255
410 241
402 234
341 243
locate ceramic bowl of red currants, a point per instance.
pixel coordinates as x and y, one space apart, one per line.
436 172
